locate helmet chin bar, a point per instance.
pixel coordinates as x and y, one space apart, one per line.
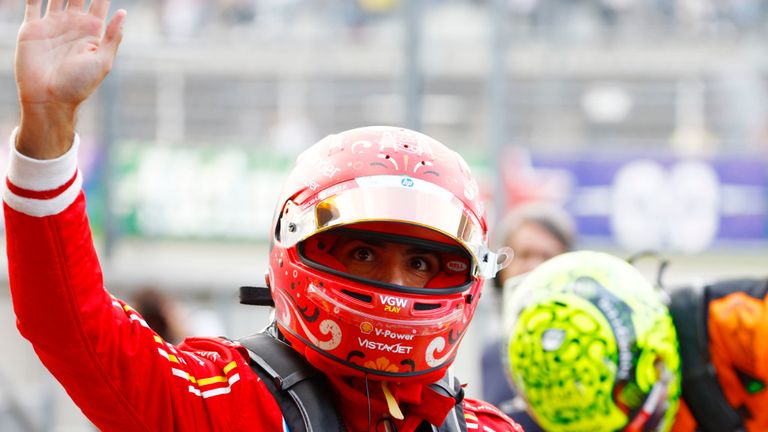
363 370
359 337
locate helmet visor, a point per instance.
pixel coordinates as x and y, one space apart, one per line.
391 199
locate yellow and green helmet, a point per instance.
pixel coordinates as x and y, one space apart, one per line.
590 346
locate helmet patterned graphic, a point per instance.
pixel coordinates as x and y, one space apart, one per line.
591 347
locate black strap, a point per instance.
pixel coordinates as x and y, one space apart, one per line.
756 288
701 391
450 386
300 390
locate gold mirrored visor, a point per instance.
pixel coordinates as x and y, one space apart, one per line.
390 199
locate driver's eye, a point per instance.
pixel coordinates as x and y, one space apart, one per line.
362 254
423 264
419 264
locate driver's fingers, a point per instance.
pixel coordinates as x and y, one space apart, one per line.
77 5
32 12
112 36
55 5
99 8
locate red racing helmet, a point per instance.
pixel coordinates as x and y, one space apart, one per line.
383 184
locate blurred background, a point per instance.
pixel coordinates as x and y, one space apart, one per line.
647 120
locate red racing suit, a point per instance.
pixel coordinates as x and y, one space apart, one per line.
114 367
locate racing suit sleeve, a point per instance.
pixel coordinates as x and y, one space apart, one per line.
485 417
116 369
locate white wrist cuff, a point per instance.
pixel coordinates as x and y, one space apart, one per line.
28 178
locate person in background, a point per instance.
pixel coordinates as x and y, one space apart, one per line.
175 320
161 314
723 332
591 345
378 255
536 232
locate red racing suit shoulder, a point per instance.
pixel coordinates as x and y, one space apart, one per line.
118 371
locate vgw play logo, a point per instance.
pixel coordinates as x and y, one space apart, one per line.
392 304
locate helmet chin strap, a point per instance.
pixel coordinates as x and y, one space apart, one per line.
394 409
368 398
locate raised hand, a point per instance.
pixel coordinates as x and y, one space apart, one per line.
60 60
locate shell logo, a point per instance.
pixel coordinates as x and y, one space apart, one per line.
366 327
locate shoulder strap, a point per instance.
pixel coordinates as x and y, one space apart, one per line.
689 307
449 385
300 390
757 288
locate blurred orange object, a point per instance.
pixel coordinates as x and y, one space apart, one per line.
738 342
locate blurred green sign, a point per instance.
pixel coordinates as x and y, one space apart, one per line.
205 193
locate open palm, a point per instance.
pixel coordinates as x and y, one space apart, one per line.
62 57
